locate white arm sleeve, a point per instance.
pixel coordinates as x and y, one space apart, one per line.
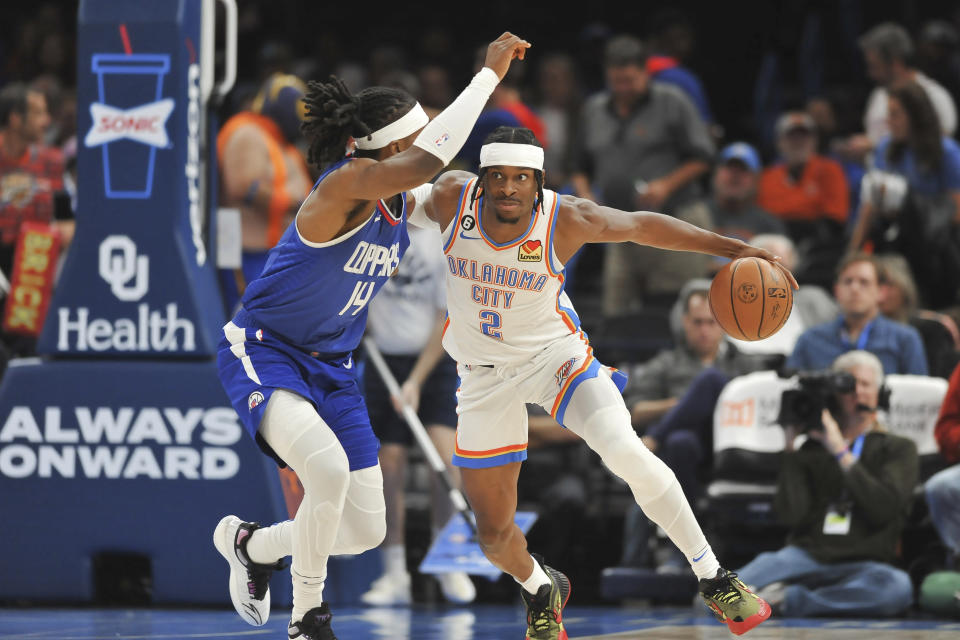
418 217
446 134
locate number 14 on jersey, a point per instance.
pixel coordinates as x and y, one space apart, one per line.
361 295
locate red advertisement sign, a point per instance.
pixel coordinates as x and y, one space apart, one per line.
31 287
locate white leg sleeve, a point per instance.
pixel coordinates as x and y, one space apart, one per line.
292 427
597 414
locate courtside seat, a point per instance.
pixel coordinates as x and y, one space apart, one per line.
747 448
747 441
914 405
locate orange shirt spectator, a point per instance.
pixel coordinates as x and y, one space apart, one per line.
806 186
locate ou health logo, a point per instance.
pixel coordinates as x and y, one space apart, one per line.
127 273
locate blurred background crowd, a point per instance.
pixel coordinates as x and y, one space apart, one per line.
822 130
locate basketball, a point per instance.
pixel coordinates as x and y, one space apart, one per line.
751 298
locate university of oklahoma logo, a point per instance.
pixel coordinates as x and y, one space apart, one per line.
137 79
127 273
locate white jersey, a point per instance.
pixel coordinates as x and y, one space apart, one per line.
505 302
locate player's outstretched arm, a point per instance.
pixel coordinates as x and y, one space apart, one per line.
435 205
581 221
443 137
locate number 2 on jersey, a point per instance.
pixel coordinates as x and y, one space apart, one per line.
489 323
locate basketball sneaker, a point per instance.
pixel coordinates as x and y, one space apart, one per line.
457 587
315 625
545 610
732 603
249 581
389 590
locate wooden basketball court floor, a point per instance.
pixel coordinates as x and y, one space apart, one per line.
421 623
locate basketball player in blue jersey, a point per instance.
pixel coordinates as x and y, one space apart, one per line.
516 339
285 358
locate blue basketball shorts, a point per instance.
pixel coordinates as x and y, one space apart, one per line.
252 364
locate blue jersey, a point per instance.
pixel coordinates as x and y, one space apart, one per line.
314 296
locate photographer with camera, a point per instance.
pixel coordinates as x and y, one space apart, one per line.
845 494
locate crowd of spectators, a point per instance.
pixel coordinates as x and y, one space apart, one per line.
871 213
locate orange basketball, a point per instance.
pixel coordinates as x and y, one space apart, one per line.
751 298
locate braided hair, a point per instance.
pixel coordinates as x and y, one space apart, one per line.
334 115
513 135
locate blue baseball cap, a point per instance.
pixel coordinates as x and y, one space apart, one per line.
744 153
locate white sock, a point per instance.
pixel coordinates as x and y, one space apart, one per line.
307 594
269 544
394 559
536 580
704 563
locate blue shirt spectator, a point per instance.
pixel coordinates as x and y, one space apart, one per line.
898 346
920 179
860 326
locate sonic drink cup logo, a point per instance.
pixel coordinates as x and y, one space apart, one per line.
130 121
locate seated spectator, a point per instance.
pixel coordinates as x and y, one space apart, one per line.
888 51
916 211
733 203
898 301
845 494
654 386
806 190
860 326
943 489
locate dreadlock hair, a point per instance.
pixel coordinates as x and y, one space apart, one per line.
334 115
513 135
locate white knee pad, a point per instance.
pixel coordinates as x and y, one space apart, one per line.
608 432
363 524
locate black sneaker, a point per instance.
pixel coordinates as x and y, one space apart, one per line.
545 610
249 581
732 603
315 625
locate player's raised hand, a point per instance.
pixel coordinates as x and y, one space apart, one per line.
504 49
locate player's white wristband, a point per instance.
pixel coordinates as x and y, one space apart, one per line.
418 217
446 134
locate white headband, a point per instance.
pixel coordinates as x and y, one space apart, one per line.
508 154
410 122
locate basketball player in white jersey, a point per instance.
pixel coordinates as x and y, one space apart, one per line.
516 339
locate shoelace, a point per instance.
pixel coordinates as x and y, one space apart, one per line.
539 618
728 592
257 582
